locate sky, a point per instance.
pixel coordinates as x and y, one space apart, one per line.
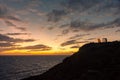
56 27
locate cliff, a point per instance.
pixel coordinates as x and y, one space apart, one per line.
93 61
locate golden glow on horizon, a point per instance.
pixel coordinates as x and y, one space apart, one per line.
50 52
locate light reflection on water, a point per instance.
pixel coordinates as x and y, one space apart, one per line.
18 67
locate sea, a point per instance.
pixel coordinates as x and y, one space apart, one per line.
19 67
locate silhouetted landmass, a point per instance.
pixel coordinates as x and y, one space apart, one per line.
93 61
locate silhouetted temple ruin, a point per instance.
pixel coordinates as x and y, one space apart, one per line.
103 40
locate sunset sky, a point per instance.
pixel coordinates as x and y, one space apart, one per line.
56 27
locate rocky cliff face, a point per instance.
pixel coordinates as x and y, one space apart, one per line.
93 61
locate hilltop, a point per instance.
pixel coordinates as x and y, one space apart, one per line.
93 61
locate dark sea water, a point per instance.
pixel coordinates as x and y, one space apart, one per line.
18 67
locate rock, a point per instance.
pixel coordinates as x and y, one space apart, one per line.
93 61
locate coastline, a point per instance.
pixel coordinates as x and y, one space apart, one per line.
94 61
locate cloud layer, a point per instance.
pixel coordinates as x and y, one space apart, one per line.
9 18
87 8
39 47
72 42
14 40
17 33
56 15
9 43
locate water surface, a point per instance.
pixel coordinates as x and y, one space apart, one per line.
18 67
